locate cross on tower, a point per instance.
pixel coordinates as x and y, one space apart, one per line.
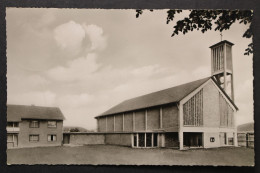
221 36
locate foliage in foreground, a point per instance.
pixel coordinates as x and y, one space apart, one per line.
203 20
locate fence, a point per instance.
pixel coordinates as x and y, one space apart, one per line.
246 139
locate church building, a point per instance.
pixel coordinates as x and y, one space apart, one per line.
198 114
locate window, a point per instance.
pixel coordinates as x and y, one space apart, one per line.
155 139
141 139
34 124
12 140
16 124
135 140
230 141
9 138
33 138
52 123
52 138
193 110
148 139
12 124
145 140
226 113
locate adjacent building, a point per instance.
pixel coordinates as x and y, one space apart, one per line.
34 126
196 114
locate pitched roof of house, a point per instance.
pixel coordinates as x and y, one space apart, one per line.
166 96
162 97
18 112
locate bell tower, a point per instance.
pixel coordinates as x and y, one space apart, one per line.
222 66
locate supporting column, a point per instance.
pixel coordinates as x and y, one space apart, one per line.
232 78
226 139
152 139
181 140
114 123
163 140
133 121
106 124
235 139
123 122
145 120
212 64
225 68
137 140
161 118
132 140
181 126
144 139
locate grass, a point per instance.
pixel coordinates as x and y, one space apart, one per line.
117 155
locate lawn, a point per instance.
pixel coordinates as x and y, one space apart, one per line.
108 154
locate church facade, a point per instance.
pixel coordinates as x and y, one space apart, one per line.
196 114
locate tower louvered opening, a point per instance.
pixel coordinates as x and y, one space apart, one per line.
218 58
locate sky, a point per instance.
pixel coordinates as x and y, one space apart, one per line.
85 61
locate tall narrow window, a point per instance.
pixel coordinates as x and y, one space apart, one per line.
148 139
135 140
155 138
193 110
141 139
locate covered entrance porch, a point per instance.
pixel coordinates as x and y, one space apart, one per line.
192 140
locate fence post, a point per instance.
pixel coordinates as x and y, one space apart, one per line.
247 140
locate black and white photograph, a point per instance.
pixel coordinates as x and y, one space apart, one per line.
129 87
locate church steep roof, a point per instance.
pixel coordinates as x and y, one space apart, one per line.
166 96
162 97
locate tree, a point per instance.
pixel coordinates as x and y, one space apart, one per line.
203 20
74 130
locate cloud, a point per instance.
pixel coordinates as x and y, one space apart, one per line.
21 83
244 100
75 100
76 69
45 98
201 72
69 36
244 91
45 20
147 71
95 33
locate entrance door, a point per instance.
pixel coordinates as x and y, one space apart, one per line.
223 138
66 139
192 139
12 140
